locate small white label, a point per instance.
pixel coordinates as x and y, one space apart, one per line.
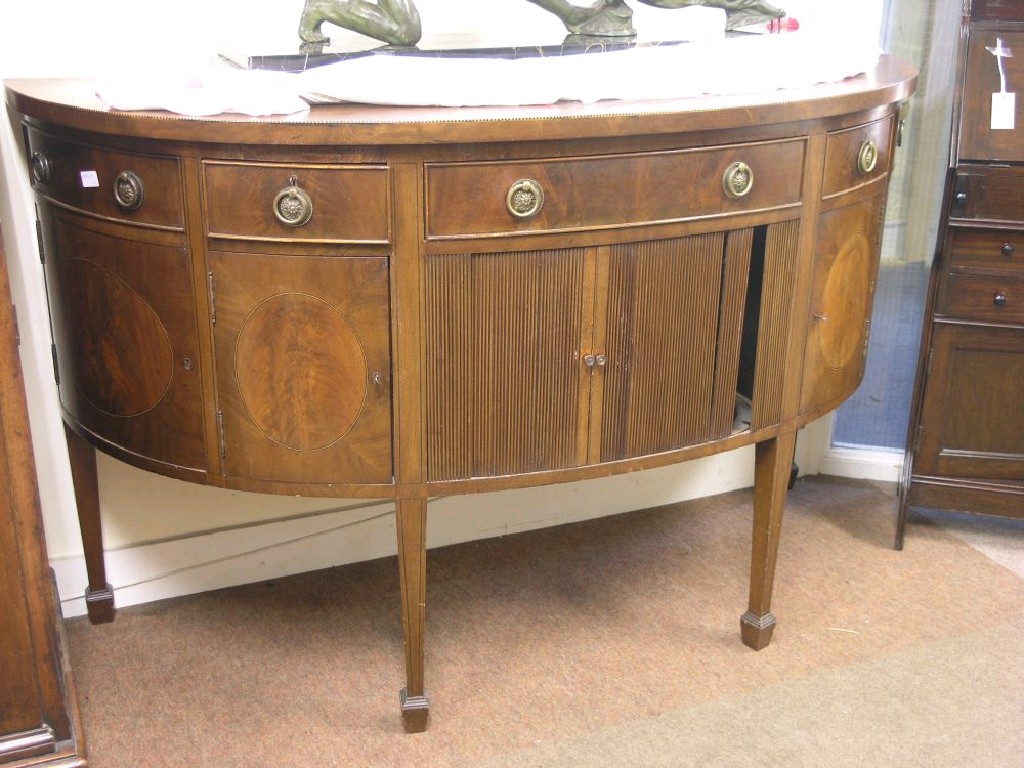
1004 106
90 179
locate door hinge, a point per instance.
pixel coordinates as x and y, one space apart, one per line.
220 435
213 298
39 242
56 365
17 330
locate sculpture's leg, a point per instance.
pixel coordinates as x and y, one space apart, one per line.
773 462
99 597
411 522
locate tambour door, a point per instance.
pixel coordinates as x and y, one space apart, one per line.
303 367
548 359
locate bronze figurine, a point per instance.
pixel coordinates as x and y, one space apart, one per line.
613 18
393 21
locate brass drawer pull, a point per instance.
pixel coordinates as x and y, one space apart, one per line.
867 157
1000 299
738 180
293 206
41 168
525 198
128 191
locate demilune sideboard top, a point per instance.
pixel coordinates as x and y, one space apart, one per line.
414 302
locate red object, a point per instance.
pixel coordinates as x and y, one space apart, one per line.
786 24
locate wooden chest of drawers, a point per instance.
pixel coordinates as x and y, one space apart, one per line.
965 447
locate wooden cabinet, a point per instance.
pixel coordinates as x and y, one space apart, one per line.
404 303
965 447
38 712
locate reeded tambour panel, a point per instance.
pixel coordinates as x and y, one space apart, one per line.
662 322
503 368
780 251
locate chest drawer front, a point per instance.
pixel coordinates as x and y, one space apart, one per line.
312 203
988 194
987 249
144 189
478 199
856 156
984 297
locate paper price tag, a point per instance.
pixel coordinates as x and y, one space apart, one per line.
90 179
1004 106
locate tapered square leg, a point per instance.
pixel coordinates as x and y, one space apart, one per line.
99 596
773 464
411 524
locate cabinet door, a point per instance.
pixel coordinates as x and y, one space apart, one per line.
972 418
505 375
842 292
655 389
303 367
124 326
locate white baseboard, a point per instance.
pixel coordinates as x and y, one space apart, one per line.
865 464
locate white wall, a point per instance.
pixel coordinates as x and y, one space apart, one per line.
166 537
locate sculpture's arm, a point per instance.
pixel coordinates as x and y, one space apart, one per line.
393 21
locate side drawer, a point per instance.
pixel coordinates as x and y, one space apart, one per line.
586 193
983 297
1001 250
856 156
988 194
264 201
123 186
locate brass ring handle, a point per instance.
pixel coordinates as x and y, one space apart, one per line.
41 171
867 157
293 206
128 191
737 180
525 198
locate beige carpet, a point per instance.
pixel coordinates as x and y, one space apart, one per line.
613 643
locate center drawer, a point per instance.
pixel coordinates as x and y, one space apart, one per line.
563 195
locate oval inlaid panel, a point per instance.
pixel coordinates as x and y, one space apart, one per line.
844 301
301 371
121 352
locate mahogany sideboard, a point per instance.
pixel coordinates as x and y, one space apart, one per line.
417 302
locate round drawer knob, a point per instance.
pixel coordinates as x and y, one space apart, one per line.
41 168
1000 299
738 180
867 157
128 191
1007 249
525 198
293 206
